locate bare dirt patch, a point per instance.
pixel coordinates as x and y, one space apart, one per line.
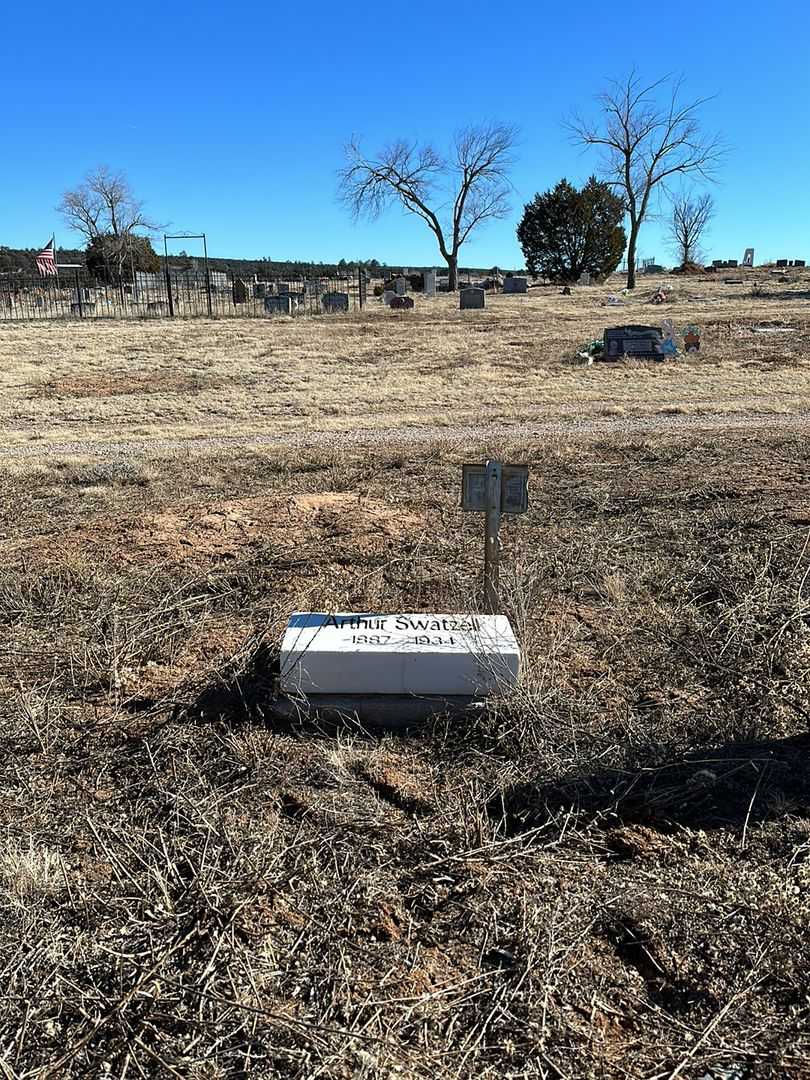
115 384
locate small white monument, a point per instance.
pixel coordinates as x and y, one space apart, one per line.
354 654
429 279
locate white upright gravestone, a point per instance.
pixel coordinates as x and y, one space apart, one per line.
411 654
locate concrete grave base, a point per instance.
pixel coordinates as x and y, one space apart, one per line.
389 711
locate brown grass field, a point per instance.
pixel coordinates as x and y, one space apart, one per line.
605 873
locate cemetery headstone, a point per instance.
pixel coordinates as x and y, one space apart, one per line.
335 301
799 262
584 278
515 285
429 286
388 296
278 305
471 298
748 257
370 653
781 262
400 286
637 341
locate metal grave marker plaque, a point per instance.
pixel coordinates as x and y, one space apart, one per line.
514 488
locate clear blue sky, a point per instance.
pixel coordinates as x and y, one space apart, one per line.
230 118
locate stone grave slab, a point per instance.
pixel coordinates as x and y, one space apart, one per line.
348 653
471 298
639 341
515 285
335 301
278 305
400 286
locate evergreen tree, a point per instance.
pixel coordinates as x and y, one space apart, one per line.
565 232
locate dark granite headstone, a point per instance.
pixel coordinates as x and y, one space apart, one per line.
638 341
278 305
335 301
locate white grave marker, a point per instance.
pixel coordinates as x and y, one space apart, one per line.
348 653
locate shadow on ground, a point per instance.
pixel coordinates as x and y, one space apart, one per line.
248 695
730 785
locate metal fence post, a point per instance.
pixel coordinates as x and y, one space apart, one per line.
492 538
168 276
207 274
79 295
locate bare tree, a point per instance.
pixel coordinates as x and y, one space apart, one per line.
452 195
645 144
105 211
691 214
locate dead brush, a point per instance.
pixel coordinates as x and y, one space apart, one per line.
599 874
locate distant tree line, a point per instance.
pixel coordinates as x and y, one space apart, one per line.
648 138
145 258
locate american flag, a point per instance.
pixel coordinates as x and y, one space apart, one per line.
46 260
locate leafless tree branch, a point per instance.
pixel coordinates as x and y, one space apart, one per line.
645 143
104 209
691 214
453 195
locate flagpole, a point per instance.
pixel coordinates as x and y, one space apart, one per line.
55 263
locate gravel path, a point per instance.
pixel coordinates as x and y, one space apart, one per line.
409 436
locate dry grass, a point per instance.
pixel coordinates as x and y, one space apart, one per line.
602 874
605 874
378 369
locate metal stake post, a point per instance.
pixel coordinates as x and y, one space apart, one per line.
492 538
79 294
207 274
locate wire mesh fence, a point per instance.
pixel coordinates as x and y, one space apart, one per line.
177 293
